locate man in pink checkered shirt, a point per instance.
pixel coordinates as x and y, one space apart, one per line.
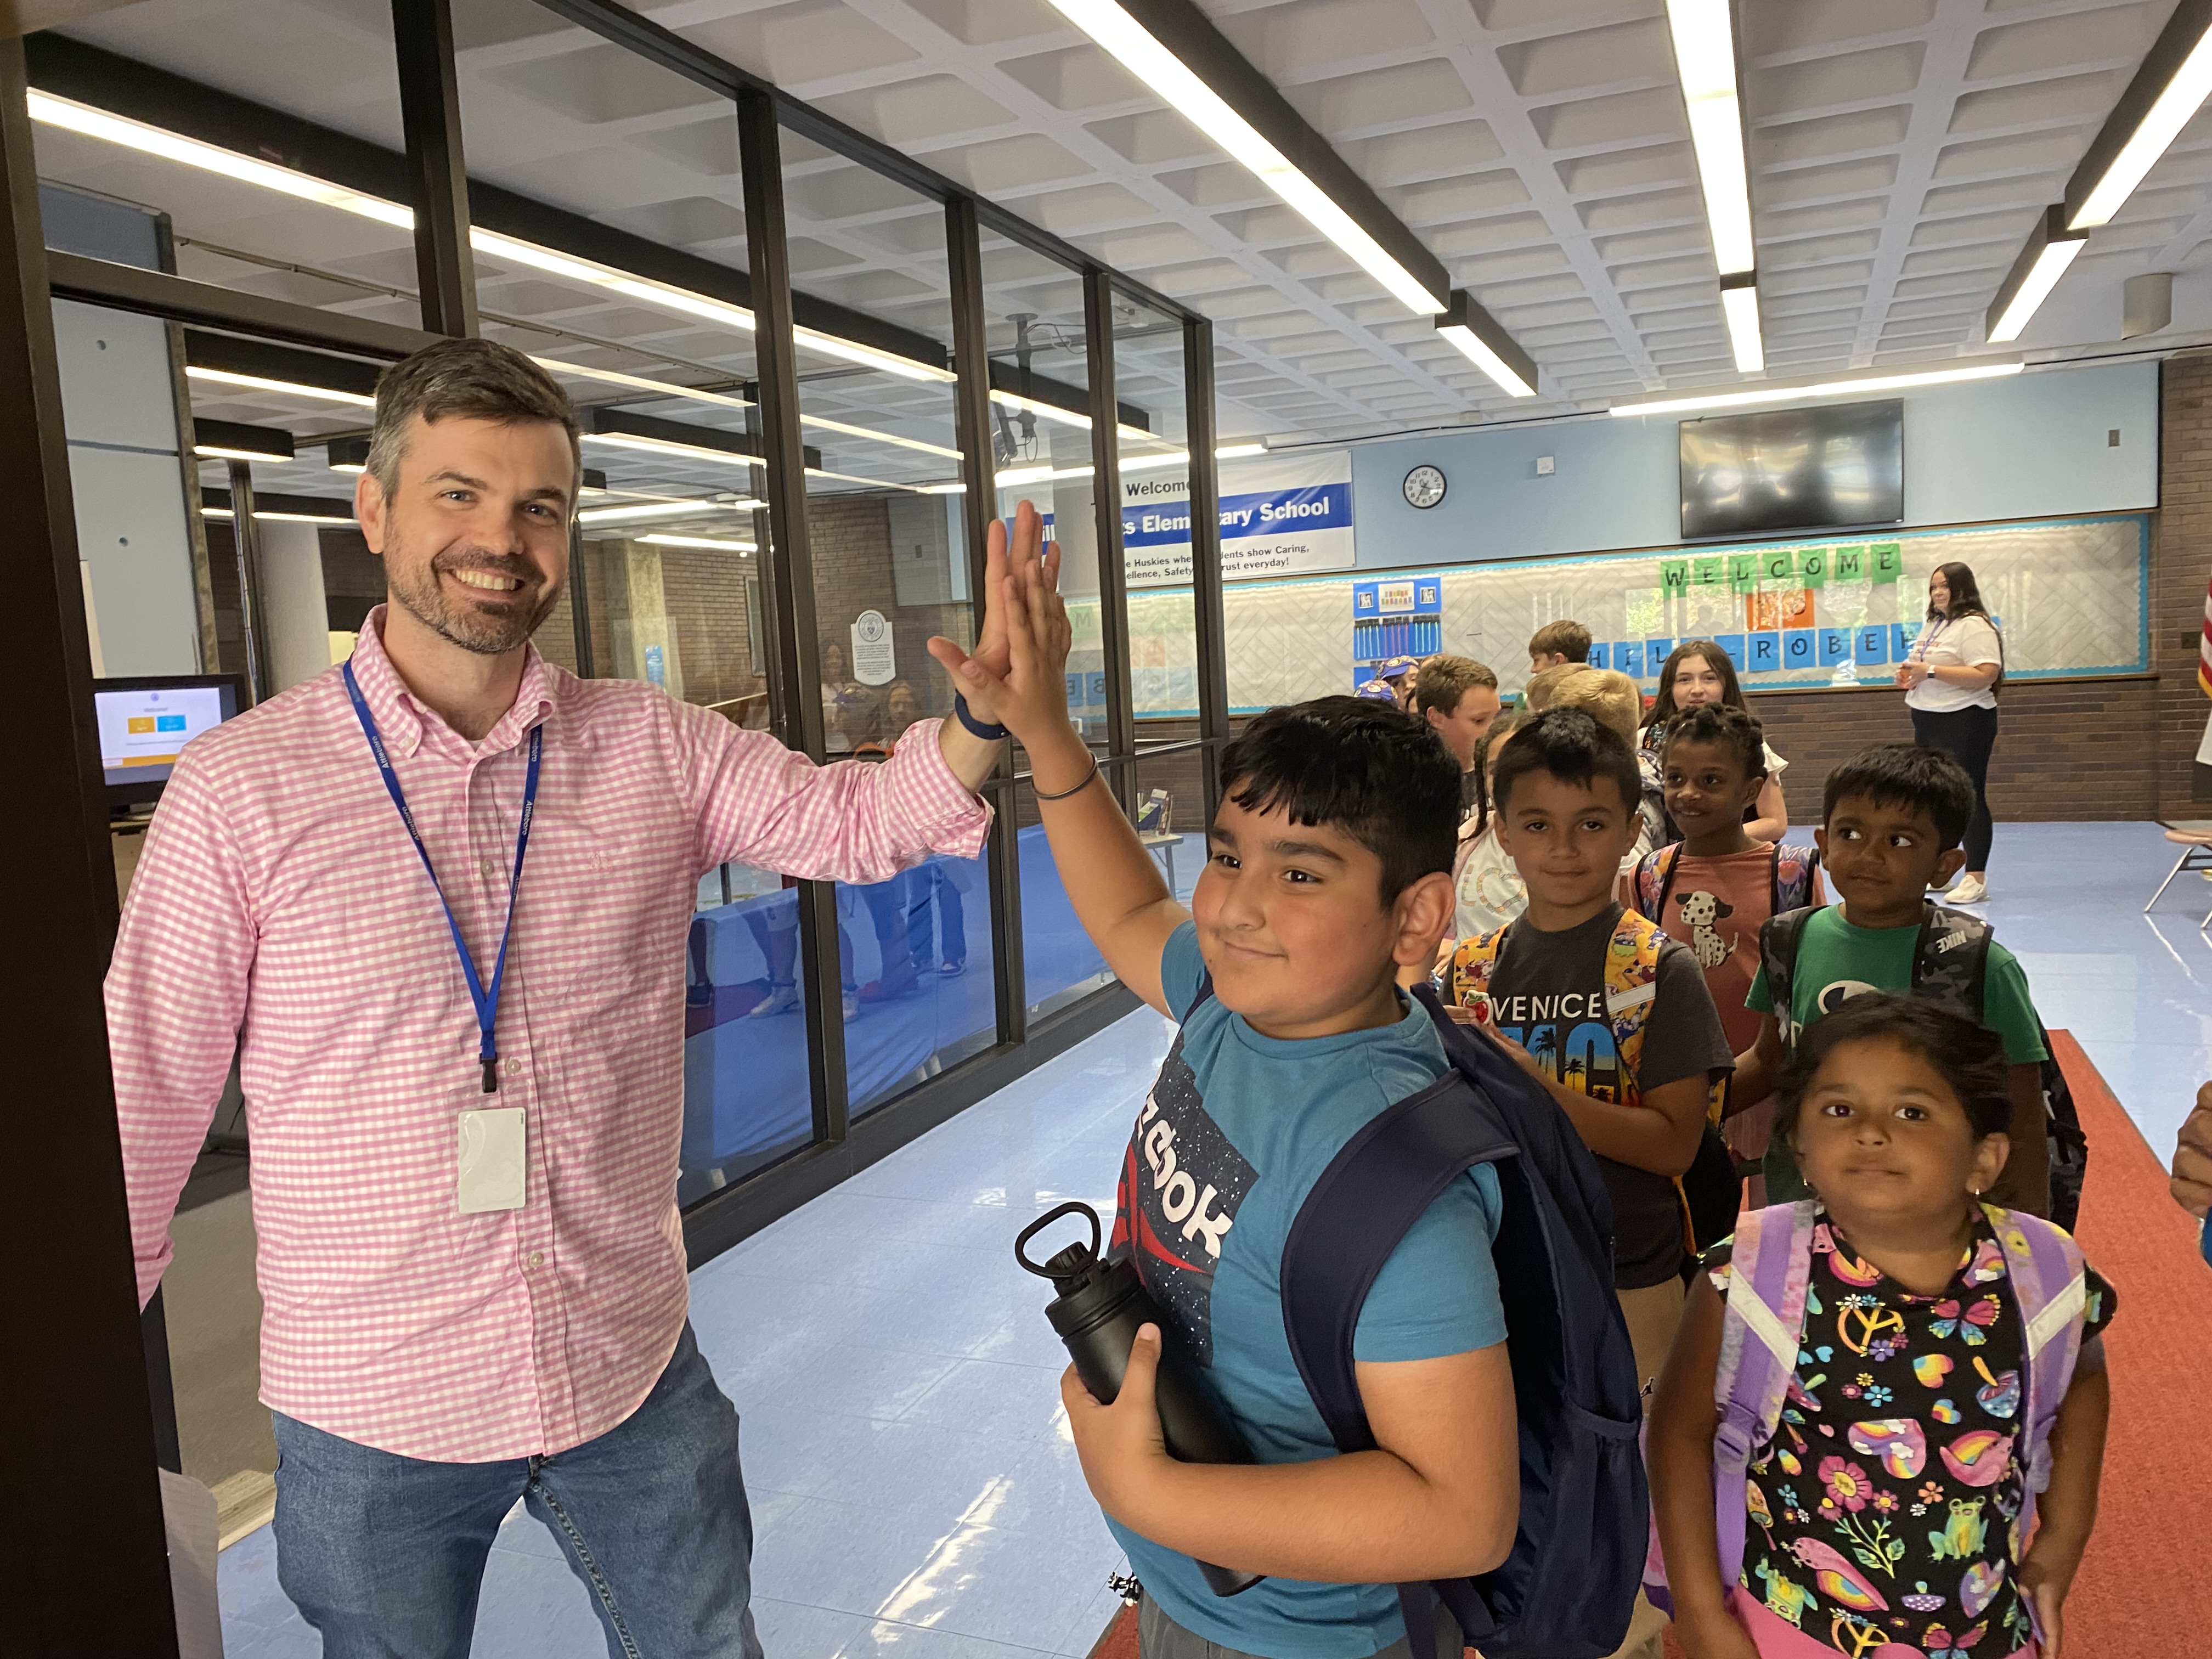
458 1022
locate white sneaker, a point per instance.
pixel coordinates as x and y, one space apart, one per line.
781 999
1972 890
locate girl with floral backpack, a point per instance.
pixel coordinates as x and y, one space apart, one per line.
1882 1421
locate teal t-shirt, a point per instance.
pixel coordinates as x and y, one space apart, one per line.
1235 1133
1836 960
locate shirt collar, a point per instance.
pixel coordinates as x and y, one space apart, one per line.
406 722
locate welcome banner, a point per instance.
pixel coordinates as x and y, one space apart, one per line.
1281 516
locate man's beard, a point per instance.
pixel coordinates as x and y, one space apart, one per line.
489 636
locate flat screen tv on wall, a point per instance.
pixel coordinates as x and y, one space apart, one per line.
1793 468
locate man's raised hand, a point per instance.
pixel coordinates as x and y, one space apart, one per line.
1017 674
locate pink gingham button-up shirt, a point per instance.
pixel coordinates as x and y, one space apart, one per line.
280 911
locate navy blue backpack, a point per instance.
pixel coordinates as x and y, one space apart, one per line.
1569 1586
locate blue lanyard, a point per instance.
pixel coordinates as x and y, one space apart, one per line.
486 1000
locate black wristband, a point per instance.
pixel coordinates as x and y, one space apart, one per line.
988 734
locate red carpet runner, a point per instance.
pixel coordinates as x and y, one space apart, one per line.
2143 1592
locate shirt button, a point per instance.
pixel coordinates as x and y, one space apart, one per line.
490 870
537 1260
514 1068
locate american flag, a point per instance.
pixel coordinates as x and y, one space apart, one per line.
2205 649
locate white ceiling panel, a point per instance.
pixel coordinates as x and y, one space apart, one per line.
1901 151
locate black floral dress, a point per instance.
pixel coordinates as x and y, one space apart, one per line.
1881 1512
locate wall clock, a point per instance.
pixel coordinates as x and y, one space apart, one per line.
1424 486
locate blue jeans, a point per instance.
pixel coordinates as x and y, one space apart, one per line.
385 1554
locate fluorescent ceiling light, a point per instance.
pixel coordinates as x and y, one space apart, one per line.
1479 338
698 541
639 383
665 446
2049 250
290 388
1238 452
1740 306
1042 410
1705 58
1104 22
216 453
660 510
274 517
1783 394
174 147
2161 123
191 152
2051 260
1477 352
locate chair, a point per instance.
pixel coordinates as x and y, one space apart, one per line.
2195 840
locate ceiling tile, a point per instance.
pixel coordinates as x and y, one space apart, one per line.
1381 97
793 45
909 111
1399 158
1789 141
1620 118
1432 203
1288 40
2023 152
1628 169
2037 103
1856 77
1858 178
1801 24
1589 57
2049 44
1077 78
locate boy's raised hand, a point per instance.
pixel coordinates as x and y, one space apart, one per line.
1017 674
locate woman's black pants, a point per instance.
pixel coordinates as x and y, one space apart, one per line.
1968 734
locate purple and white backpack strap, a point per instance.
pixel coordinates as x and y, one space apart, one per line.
1771 1262
2049 1284
1760 1337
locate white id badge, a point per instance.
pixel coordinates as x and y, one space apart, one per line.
494 1161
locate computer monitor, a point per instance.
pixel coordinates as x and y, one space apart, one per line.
145 723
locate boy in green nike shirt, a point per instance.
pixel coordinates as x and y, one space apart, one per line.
1891 824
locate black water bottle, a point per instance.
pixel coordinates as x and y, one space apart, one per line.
1101 1306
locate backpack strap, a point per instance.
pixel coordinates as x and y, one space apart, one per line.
1631 986
1951 958
1654 875
1387 1175
1761 1329
1471 966
1792 885
1779 936
2049 1283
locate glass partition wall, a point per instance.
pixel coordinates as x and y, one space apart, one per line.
808 370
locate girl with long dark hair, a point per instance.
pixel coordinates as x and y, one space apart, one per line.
1699 672
1951 677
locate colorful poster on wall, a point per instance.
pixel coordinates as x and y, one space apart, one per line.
1287 515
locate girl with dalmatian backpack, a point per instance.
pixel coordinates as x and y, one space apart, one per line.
1715 888
1881 1423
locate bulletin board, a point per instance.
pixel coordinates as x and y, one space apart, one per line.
2071 595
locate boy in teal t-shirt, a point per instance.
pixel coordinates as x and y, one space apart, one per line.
1328 872
1891 826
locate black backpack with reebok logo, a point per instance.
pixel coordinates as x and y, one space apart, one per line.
1949 964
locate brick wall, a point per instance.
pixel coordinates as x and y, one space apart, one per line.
2182 554
2066 749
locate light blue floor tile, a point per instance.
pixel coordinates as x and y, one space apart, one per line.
914 1492
789 1630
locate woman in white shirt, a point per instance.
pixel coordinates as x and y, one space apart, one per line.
1950 677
